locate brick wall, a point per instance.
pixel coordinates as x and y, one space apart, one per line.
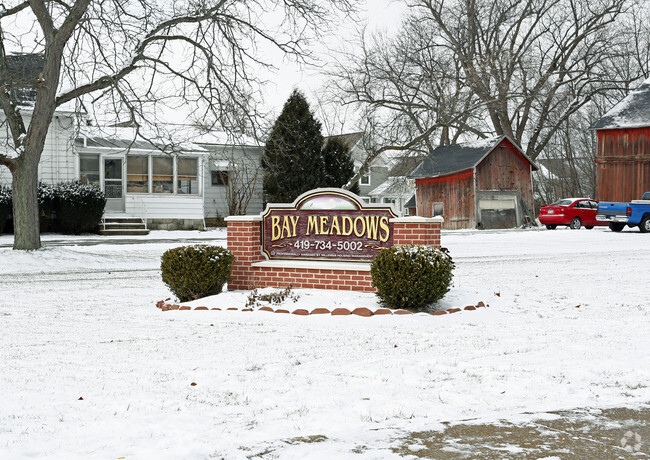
251 270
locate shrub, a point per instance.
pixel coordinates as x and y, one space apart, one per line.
192 272
79 207
46 204
5 205
411 276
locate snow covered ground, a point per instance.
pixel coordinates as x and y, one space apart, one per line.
90 369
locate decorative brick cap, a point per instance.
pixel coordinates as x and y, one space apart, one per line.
417 220
252 218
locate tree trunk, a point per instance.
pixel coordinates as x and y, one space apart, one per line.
27 234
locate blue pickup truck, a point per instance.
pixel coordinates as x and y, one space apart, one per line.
633 214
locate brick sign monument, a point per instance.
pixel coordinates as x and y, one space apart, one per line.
325 239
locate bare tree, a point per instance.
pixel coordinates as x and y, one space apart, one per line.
504 67
137 55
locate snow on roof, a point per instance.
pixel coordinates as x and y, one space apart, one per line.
633 111
126 138
393 186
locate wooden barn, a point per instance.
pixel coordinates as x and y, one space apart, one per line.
479 184
623 152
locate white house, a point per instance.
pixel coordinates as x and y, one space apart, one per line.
168 185
377 172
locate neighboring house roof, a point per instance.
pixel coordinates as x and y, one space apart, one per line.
633 111
406 165
393 186
349 139
410 203
450 159
24 71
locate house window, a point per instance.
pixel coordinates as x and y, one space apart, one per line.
365 179
89 169
437 209
137 174
219 177
188 176
163 175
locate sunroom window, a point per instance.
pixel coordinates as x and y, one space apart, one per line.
137 174
89 169
163 175
188 176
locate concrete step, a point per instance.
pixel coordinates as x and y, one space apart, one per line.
124 231
124 226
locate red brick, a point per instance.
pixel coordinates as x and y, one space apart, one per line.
185 307
340 312
402 312
320 311
439 312
453 310
301 312
201 308
266 309
470 307
281 310
362 311
383 311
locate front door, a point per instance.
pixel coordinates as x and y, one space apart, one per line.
114 185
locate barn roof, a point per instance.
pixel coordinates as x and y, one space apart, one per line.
450 159
633 111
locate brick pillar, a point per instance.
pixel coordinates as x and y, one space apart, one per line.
417 230
244 241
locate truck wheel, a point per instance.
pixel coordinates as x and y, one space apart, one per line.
551 227
616 226
644 226
575 224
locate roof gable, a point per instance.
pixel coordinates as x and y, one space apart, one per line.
449 159
633 111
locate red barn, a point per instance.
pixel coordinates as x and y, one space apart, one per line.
623 152
480 184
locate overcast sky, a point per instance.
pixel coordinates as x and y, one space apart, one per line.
377 14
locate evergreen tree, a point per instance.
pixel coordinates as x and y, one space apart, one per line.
339 167
292 160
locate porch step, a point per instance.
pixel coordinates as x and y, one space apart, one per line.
118 226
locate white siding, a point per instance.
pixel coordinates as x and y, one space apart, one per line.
248 161
164 206
58 161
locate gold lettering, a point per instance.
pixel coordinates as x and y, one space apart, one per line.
347 226
363 226
324 220
371 226
312 224
275 228
286 230
294 223
383 224
335 225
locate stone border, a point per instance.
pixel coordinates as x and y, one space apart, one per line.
362 311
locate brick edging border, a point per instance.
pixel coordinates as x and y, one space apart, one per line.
362 311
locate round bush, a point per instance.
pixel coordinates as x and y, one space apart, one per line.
192 272
411 276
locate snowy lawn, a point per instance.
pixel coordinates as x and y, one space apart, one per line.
80 322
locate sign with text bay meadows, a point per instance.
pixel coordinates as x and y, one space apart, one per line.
328 225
